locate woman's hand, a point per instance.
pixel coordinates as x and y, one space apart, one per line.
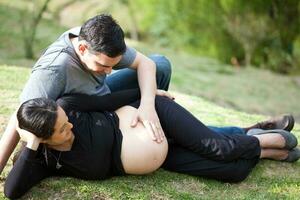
165 94
28 137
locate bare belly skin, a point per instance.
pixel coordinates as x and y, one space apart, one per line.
139 154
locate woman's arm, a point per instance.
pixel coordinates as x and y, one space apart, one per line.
109 102
27 172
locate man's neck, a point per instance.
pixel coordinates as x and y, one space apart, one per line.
74 42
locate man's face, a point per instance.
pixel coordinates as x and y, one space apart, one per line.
99 63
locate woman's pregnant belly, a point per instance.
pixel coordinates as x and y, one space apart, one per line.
139 154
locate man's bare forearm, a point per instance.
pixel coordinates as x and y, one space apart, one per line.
8 142
147 81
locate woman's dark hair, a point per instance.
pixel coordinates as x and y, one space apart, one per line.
38 116
104 35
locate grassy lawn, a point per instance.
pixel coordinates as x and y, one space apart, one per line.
269 179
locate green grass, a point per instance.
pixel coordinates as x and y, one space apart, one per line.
269 179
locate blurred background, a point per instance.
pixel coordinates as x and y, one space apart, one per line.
238 54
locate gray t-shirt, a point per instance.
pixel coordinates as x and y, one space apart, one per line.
59 71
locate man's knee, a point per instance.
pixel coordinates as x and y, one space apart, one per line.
163 64
163 71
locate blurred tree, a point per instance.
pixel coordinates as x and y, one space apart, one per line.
29 21
247 23
129 6
286 18
249 30
131 13
183 23
60 7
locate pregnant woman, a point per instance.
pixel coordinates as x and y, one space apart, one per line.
89 137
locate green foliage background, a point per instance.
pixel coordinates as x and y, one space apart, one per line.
263 34
270 28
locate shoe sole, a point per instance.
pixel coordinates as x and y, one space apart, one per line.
293 156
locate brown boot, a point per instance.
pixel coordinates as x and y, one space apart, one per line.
284 122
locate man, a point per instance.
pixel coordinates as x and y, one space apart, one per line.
78 62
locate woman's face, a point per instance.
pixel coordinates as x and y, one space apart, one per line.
62 129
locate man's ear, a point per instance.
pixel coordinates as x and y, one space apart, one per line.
82 48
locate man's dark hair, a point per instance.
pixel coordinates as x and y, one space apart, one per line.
38 116
104 35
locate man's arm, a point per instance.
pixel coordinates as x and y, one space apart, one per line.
8 142
146 113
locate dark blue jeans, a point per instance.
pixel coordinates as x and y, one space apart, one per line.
229 130
127 79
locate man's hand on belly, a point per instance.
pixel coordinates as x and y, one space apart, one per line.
148 116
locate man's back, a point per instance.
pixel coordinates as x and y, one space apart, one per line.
59 71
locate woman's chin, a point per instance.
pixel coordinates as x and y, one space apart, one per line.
72 137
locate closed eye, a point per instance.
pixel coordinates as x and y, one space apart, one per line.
100 65
63 128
